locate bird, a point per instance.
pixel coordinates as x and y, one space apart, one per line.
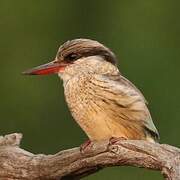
101 100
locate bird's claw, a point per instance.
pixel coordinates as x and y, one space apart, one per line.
114 140
86 146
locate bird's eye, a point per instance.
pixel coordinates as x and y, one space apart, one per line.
72 57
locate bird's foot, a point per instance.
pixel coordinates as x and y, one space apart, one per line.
86 146
114 140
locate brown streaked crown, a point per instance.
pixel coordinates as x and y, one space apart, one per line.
78 48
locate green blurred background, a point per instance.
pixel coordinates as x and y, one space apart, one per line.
145 35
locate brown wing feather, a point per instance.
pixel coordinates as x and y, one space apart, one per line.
129 104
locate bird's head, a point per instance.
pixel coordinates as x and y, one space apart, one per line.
76 56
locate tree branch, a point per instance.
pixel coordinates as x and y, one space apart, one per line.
16 163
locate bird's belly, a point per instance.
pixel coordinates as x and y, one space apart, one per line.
98 126
101 124
103 129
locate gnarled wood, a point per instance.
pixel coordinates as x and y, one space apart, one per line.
16 163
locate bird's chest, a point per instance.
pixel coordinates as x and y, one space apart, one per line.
78 95
86 108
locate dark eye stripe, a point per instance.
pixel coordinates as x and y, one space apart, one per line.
107 55
72 57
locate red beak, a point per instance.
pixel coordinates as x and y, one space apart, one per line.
49 68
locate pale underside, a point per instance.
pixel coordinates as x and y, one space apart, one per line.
109 106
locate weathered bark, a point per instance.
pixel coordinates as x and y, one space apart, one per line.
16 163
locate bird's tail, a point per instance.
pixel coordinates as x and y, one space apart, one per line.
152 136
